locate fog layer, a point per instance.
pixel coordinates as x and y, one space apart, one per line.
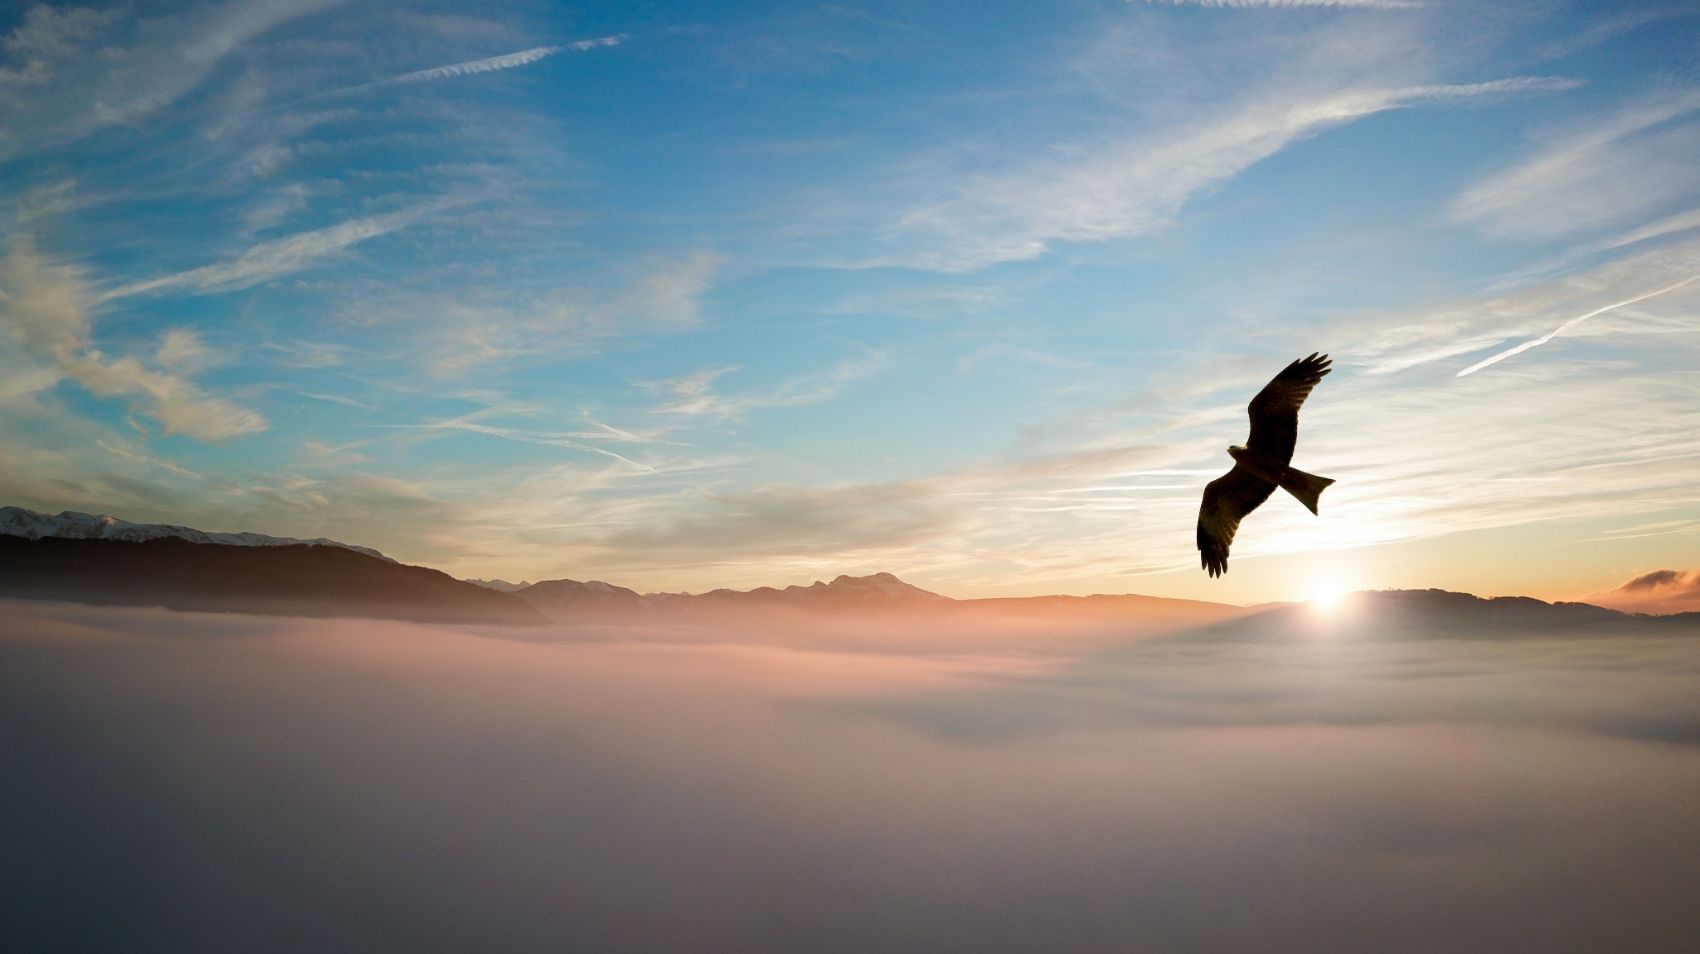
198 782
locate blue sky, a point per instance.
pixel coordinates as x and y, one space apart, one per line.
688 295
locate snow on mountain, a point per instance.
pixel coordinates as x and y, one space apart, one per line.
500 586
73 525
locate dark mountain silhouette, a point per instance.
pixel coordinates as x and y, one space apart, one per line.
1418 614
299 580
875 595
879 590
565 599
571 599
98 559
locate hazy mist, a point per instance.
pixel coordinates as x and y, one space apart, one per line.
210 782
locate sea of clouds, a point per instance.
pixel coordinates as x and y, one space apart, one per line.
204 782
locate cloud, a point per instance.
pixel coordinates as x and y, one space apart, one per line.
76 70
47 36
1621 167
694 395
483 326
278 257
787 521
1655 580
570 441
1559 302
1659 592
1139 185
182 349
1668 225
669 294
44 310
127 452
177 404
195 775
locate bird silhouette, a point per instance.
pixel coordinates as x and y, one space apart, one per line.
1262 463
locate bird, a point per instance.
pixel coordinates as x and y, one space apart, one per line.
1262 463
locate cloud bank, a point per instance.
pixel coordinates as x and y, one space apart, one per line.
218 782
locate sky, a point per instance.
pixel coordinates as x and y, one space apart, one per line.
693 295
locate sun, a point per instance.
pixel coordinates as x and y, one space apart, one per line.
1326 595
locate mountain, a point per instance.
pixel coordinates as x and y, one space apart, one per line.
1439 614
500 586
306 579
101 559
873 598
571 599
565 599
868 592
73 525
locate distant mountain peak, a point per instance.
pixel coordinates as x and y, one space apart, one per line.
500 586
873 586
75 525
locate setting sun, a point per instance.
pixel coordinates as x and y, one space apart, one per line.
1326 595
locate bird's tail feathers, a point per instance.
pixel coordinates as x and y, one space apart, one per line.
1306 487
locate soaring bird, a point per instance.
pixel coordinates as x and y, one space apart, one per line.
1261 464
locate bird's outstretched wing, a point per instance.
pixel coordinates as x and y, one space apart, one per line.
1275 410
1227 500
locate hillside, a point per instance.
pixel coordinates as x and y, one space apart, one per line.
1440 614
294 579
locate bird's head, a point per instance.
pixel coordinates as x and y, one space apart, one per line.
1236 450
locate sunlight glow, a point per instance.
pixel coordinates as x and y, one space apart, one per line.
1327 595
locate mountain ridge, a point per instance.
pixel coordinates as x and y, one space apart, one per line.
1435 612
273 579
99 558
77 525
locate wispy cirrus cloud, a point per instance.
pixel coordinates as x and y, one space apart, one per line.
278 257
1139 185
693 396
1613 169
1653 277
76 70
569 440
1659 228
486 326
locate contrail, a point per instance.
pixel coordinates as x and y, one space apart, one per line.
506 61
1561 329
